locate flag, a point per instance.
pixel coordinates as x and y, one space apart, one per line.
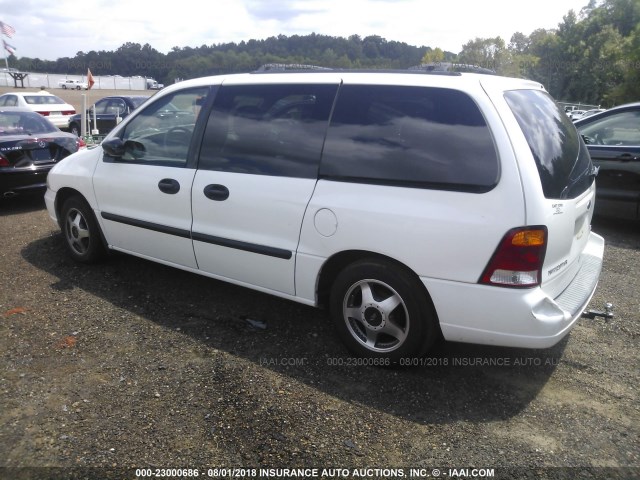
90 80
9 48
6 29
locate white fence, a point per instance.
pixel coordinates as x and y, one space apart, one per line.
50 81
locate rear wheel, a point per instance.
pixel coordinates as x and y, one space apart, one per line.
380 310
81 231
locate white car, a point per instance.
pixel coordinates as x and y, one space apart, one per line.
54 108
588 113
73 84
411 205
576 114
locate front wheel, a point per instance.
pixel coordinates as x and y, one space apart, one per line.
81 231
380 310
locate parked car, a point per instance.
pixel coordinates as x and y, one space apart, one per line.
54 108
593 111
109 111
154 85
73 84
613 140
576 114
411 205
29 146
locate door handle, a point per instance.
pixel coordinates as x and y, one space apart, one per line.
627 157
169 185
216 192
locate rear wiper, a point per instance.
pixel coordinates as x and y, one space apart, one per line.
591 173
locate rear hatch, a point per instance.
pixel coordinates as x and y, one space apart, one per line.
566 178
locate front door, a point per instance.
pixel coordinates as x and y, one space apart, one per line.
144 197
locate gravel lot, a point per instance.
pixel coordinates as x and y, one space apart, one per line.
128 364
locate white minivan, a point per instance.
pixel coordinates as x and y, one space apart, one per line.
412 205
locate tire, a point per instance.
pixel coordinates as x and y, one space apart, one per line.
75 129
81 231
64 87
78 87
381 311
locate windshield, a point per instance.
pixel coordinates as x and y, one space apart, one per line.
137 101
562 159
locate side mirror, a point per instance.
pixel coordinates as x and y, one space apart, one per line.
588 140
135 149
117 148
114 147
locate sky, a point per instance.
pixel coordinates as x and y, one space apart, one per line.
49 30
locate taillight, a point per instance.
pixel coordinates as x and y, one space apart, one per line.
3 161
69 112
80 143
44 114
517 262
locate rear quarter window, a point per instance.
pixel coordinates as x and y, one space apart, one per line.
561 157
410 136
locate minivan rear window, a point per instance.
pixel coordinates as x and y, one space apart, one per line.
562 158
420 137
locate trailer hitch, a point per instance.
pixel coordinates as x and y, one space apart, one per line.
607 313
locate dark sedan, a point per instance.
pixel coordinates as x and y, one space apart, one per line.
109 111
613 140
30 145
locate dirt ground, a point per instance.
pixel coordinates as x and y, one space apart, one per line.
125 365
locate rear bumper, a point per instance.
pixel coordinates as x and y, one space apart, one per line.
19 181
526 318
60 121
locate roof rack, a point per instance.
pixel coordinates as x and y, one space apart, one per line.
452 67
283 67
440 68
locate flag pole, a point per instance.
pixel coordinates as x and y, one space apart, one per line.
90 83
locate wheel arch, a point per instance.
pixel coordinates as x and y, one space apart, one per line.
66 193
336 263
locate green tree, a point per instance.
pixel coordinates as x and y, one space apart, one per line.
629 88
484 52
433 56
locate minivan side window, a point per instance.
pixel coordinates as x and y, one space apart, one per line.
410 136
162 132
267 129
